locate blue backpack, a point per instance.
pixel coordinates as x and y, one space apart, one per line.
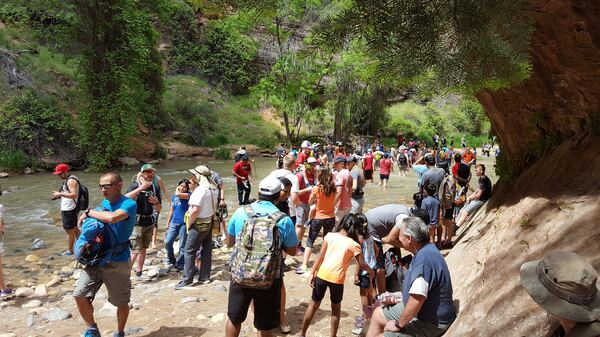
97 243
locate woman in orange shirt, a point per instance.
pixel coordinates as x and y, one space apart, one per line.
329 271
323 197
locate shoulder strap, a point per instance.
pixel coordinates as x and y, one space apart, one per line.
249 211
277 216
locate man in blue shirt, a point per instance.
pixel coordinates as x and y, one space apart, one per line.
426 308
266 302
119 213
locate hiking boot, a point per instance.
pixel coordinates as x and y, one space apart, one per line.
181 285
92 331
7 294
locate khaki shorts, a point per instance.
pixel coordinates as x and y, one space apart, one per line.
141 237
115 276
415 328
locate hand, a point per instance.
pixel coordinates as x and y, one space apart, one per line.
153 200
82 217
313 279
146 185
222 203
55 195
244 178
356 280
391 327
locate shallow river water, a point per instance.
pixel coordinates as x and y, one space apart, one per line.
30 213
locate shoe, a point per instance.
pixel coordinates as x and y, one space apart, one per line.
217 243
300 251
357 331
181 285
285 328
119 334
92 331
66 253
141 278
204 281
301 270
7 294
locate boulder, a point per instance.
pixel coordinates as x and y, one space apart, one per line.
108 310
28 170
30 321
31 258
32 304
4 175
53 281
23 292
41 290
128 161
56 314
38 244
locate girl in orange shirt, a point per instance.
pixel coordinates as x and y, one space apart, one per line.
329 271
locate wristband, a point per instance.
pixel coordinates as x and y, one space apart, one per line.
397 324
87 213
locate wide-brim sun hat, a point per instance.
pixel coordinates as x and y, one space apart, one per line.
565 285
204 176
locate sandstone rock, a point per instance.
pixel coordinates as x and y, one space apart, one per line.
108 310
10 334
128 161
32 304
56 314
23 292
201 317
217 318
219 288
30 321
53 281
32 258
41 290
190 300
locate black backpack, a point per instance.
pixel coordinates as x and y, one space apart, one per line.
83 197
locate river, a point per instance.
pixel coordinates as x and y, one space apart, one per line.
31 214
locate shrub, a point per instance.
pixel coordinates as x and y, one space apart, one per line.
159 152
223 153
14 160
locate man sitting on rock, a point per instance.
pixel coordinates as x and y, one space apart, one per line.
566 286
426 308
475 200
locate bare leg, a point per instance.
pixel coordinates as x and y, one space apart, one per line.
300 233
264 333
86 310
122 314
462 217
2 284
142 258
307 253
232 330
282 320
308 316
380 281
134 256
154 234
72 235
336 310
377 324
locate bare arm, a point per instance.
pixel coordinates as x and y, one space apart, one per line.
392 238
319 261
338 193
313 198
106 217
133 194
169 217
475 196
412 308
163 189
71 194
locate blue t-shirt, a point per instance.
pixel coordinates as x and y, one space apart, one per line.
420 169
180 206
286 226
430 264
123 228
432 206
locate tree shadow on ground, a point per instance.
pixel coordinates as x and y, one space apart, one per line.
295 314
178 331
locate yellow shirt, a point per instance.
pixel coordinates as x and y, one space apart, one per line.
340 250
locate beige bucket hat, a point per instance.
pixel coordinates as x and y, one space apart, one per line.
204 176
564 284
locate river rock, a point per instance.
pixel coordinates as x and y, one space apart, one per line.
28 170
128 161
56 314
30 321
32 304
41 290
10 334
31 258
190 300
4 175
38 244
108 310
132 331
152 272
54 281
217 318
23 292
201 317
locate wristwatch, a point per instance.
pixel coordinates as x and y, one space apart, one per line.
87 213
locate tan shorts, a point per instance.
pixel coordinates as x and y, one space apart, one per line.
115 276
141 237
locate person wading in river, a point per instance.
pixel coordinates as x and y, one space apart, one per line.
4 291
68 193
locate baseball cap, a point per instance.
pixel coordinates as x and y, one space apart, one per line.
305 143
339 159
311 160
61 168
147 167
269 186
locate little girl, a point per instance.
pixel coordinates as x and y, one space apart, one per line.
329 271
361 277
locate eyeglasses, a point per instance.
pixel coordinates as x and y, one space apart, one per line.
105 186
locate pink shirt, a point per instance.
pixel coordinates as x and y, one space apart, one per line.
368 162
385 166
344 178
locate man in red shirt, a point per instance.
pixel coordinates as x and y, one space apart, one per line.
304 153
457 160
242 170
343 185
367 165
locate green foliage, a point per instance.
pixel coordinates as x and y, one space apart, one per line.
470 118
122 74
32 124
222 153
159 152
14 160
215 141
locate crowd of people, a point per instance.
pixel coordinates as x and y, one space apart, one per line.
313 191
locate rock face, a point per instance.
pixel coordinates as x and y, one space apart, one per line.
550 207
561 100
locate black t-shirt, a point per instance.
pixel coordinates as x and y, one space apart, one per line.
485 185
143 205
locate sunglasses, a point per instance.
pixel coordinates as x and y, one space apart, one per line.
106 186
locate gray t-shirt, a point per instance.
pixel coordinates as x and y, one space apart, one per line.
359 178
219 181
434 175
382 219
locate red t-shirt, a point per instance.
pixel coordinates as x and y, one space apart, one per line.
455 169
368 162
242 169
302 157
344 179
302 185
385 166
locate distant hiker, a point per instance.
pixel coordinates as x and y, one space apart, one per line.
432 205
426 292
176 224
477 199
242 170
566 286
5 292
434 175
329 271
119 213
201 217
304 153
463 142
147 197
68 195
343 185
403 162
358 183
386 167
367 165
266 300
306 179
241 152
280 153
457 161
468 157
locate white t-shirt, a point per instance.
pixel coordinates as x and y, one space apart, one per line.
419 287
67 204
203 197
1 211
293 179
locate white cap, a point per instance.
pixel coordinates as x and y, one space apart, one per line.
311 160
305 143
269 186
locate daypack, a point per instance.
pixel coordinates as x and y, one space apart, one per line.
402 159
448 191
97 243
394 273
256 256
83 196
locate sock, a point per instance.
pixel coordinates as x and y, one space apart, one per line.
93 327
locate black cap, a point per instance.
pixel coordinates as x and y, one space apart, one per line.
339 159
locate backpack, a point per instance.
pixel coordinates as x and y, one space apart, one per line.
448 191
402 159
97 243
83 196
256 256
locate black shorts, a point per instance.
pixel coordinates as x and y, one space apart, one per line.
69 219
266 305
336 291
384 176
368 174
448 214
364 281
380 264
315 228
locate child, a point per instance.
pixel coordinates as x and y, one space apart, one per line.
5 292
176 224
361 277
385 169
329 271
432 205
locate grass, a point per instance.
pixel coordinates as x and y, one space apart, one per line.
14 160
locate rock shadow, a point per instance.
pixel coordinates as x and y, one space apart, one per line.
295 315
177 331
